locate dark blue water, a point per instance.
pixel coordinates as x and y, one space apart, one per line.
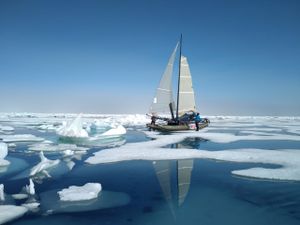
213 196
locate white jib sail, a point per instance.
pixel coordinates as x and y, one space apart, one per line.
164 95
186 91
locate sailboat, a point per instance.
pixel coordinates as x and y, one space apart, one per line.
163 102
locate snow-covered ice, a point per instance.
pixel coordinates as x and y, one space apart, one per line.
11 212
80 193
289 159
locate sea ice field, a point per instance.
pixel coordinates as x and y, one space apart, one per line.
110 169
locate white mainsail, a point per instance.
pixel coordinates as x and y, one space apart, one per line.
186 91
164 94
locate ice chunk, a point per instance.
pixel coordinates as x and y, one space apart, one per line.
11 145
80 193
120 130
32 205
3 150
20 138
68 152
70 164
74 129
30 188
20 196
43 165
3 153
2 197
11 212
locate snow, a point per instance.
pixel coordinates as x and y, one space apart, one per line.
80 193
120 130
73 129
288 159
20 138
11 212
43 165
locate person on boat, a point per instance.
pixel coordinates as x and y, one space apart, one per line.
197 121
153 119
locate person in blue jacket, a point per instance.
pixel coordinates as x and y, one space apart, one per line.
197 121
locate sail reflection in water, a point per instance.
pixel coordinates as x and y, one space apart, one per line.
176 172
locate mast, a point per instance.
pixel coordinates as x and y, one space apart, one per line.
177 108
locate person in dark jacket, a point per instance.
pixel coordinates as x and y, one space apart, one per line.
153 119
197 121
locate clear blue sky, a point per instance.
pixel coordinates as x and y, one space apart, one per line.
108 56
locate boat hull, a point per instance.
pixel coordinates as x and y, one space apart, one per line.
173 128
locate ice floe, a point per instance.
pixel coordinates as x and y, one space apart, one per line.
20 196
288 159
6 128
11 212
32 205
51 203
20 138
44 165
50 147
80 193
